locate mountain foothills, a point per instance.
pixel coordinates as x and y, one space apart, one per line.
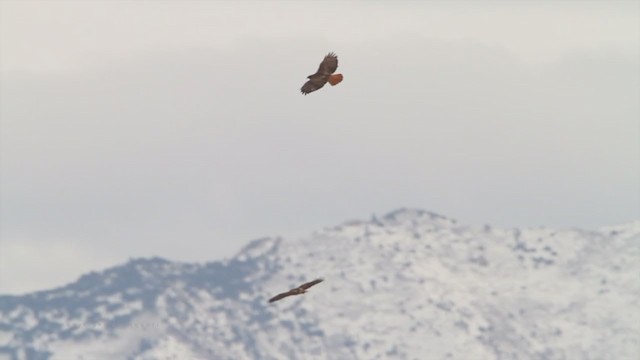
409 285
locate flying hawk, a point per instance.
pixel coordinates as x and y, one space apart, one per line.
325 73
297 291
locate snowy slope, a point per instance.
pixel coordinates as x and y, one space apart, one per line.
409 285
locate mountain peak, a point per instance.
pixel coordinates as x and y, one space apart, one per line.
410 214
492 294
259 247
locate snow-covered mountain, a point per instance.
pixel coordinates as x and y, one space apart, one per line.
409 285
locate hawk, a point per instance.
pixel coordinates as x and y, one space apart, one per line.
325 73
296 291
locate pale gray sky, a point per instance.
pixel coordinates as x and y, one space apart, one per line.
143 128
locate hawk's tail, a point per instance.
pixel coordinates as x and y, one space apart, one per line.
335 79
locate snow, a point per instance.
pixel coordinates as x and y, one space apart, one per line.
411 284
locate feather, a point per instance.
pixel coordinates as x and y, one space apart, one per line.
296 291
335 79
324 74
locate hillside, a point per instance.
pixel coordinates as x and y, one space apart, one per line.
409 285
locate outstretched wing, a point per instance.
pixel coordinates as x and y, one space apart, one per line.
313 85
311 283
328 65
280 296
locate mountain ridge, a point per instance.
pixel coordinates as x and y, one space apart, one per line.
409 284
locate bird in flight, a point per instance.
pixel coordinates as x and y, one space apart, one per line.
325 73
296 291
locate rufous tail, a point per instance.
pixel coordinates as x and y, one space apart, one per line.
335 79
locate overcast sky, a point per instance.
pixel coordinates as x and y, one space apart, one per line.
177 129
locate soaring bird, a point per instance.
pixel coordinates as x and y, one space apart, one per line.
296 291
325 73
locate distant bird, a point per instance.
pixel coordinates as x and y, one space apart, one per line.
297 291
325 73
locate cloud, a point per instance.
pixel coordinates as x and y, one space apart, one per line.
182 141
73 37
